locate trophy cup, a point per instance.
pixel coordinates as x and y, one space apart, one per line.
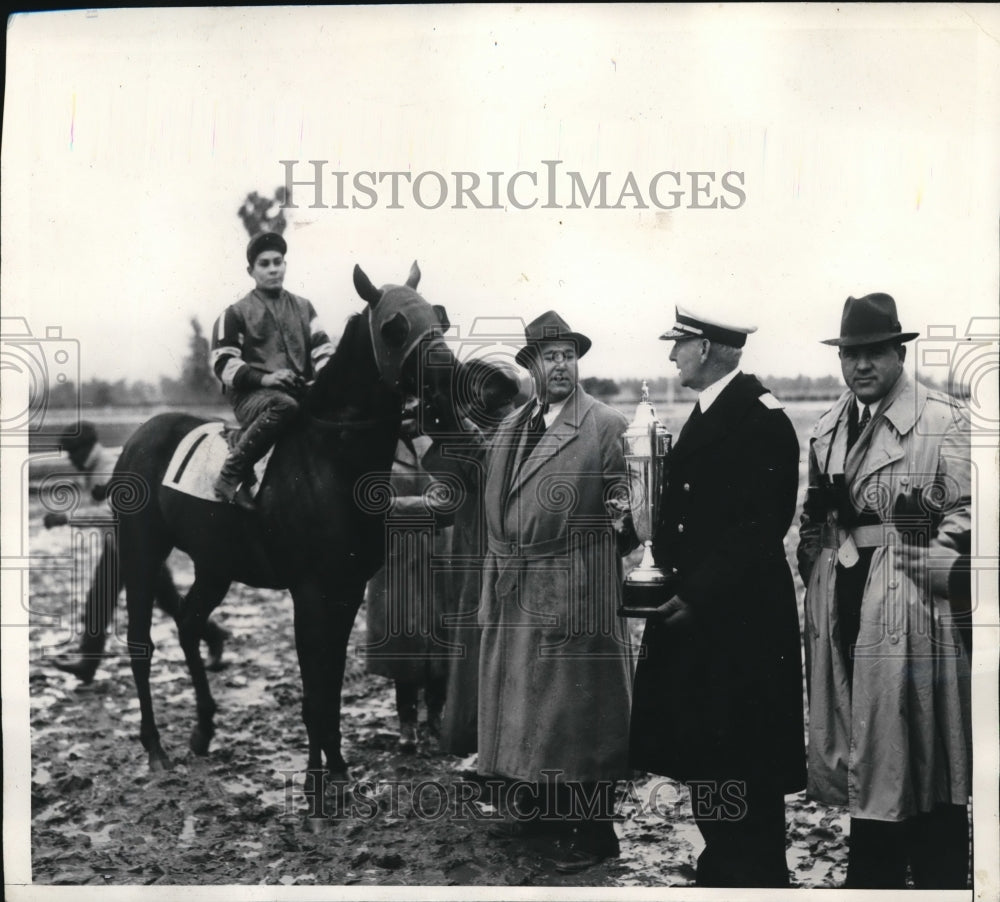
646 443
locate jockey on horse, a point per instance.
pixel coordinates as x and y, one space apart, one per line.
266 348
318 529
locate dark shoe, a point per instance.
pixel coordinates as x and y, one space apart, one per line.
586 846
407 737
227 485
572 860
518 829
216 647
83 667
232 490
434 725
244 499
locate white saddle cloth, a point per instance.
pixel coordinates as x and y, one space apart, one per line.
198 460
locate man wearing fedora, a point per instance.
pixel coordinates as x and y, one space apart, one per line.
266 348
718 687
555 661
886 519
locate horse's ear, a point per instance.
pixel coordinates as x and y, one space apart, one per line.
442 316
414 278
395 330
364 287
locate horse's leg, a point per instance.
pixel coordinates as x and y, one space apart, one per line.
205 595
99 611
140 571
323 625
169 601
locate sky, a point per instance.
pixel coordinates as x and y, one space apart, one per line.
866 139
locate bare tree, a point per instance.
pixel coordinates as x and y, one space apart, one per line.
264 214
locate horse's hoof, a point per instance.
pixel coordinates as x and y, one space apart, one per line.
82 668
216 647
160 763
200 741
214 663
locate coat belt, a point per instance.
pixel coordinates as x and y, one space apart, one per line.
874 536
549 548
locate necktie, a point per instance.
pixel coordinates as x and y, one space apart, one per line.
855 426
535 430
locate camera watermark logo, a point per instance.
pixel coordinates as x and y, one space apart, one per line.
34 367
967 366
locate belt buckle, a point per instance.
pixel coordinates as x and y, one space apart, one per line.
847 553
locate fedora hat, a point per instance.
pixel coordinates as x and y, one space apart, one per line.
550 326
870 320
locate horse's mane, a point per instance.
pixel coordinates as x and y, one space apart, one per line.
349 381
348 359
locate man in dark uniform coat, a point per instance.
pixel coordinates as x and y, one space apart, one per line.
717 699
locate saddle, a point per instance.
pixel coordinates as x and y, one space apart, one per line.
198 459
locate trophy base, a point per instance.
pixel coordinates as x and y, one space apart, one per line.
640 600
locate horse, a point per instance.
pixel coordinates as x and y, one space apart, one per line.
313 532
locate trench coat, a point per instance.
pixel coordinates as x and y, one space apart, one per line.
408 599
720 697
899 741
555 660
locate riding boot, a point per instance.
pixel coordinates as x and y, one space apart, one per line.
254 443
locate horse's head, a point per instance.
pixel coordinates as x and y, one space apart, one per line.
411 354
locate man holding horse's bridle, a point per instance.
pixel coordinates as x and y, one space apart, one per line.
265 349
555 662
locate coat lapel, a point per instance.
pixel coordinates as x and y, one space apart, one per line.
562 433
719 418
882 446
504 447
830 430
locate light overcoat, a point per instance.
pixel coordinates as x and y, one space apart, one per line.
900 741
555 661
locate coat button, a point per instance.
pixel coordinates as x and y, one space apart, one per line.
680 527
894 639
893 584
673 569
687 486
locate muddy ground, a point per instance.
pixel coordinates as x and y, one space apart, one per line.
235 816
